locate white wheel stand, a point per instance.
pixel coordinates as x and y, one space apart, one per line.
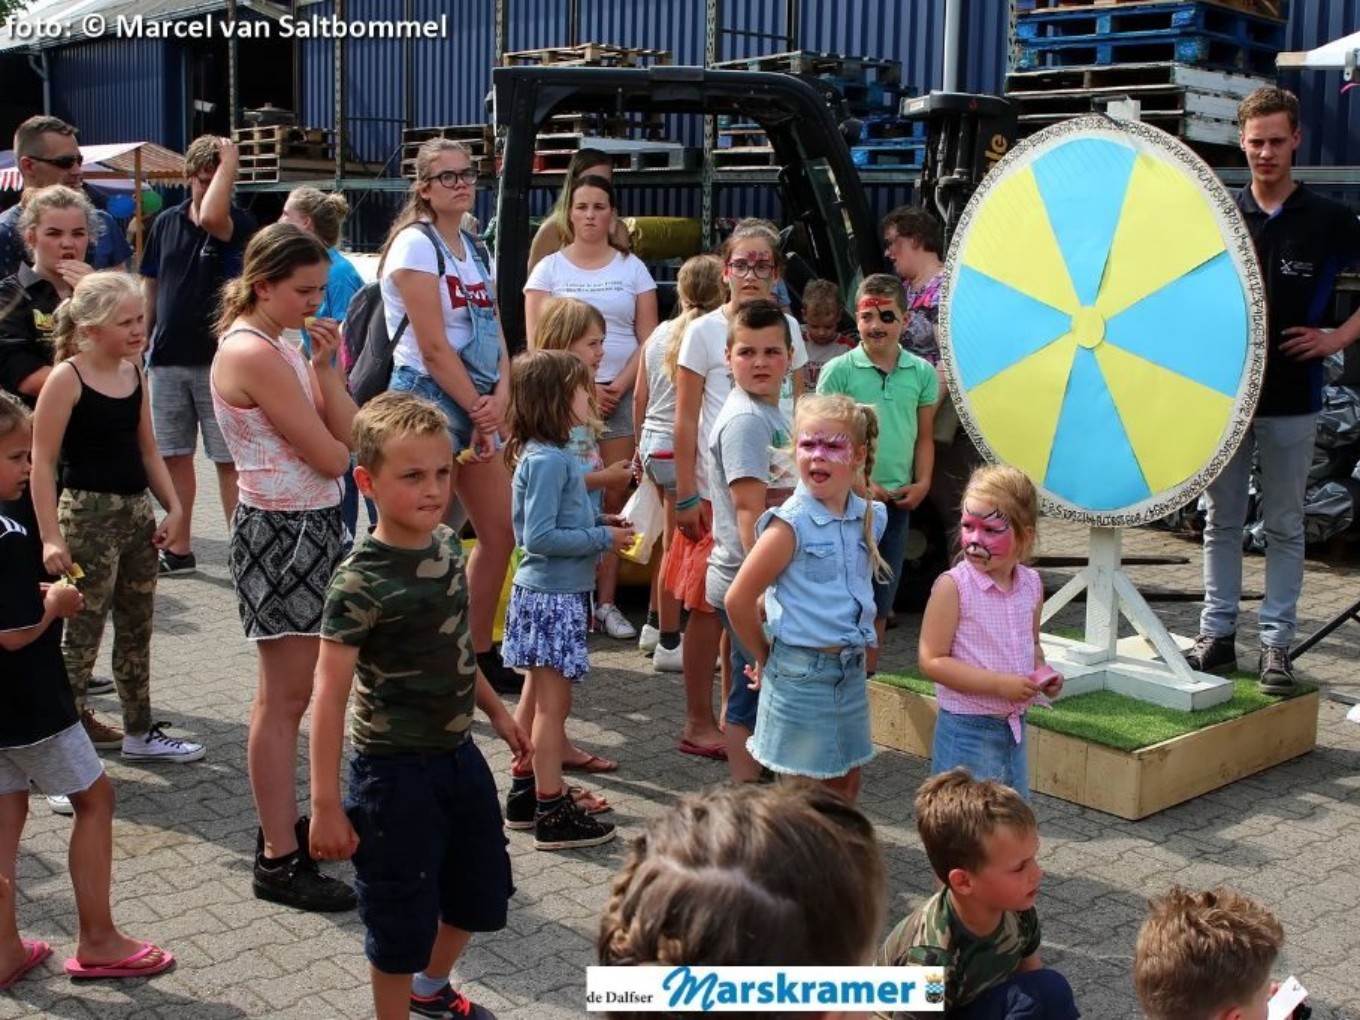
1102 661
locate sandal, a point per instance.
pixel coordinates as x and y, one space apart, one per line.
588 801
38 951
150 959
593 764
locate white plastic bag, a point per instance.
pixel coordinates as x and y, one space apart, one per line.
645 512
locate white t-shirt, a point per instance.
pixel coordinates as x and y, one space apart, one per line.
703 350
612 290
463 282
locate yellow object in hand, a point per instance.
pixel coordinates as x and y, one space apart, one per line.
73 575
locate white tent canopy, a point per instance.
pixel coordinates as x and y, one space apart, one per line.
1340 55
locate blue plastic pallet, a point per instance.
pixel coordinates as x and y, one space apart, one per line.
1199 18
909 154
1201 49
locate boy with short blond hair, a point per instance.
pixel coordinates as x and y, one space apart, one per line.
421 816
1206 956
981 929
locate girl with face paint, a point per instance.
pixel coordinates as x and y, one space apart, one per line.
814 560
980 635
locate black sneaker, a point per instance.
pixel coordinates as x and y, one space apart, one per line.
99 685
502 678
1277 673
448 1003
174 563
299 883
520 807
1213 655
567 826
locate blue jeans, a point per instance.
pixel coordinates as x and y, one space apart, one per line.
985 746
349 507
893 548
1285 446
1034 995
742 702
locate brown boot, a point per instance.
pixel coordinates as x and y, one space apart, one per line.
103 737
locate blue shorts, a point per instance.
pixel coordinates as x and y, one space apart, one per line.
742 702
893 548
407 380
814 713
985 746
431 849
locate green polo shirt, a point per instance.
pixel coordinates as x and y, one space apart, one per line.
897 395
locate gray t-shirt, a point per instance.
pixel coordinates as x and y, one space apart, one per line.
750 440
660 386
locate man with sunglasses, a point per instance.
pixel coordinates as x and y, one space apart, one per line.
46 153
192 250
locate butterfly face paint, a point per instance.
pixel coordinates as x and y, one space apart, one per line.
986 536
835 447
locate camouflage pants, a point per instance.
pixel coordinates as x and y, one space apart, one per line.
110 537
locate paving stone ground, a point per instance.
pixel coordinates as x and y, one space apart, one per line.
184 835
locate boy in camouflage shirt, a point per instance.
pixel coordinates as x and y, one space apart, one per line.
981 930
421 817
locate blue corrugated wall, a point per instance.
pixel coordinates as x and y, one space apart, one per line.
121 90
1331 118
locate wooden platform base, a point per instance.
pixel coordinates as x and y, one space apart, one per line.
1129 784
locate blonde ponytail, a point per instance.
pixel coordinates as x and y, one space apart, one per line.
867 422
699 286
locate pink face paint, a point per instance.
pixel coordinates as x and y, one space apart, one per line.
835 447
986 536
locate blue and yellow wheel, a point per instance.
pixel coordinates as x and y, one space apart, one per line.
1102 321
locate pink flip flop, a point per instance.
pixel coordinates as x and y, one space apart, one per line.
130 967
717 752
38 951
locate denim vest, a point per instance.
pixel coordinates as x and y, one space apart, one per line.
825 596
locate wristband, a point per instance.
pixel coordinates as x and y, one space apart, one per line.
687 504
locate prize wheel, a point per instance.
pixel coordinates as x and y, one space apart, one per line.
1102 321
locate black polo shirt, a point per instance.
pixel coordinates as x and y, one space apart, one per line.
1301 247
190 266
27 303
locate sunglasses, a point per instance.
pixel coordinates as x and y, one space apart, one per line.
61 162
450 178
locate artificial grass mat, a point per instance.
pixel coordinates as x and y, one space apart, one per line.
1124 723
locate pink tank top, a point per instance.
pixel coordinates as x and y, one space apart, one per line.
996 632
270 473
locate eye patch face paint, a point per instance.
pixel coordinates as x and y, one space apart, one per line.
986 536
871 308
831 446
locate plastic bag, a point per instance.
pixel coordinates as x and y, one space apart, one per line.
645 512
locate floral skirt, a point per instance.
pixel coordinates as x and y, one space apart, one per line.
547 629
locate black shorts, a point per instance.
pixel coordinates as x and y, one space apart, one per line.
431 848
281 563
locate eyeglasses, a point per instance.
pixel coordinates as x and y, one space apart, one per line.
760 270
60 162
450 178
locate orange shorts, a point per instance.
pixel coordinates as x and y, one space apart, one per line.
687 571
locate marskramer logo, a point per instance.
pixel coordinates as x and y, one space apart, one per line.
756 989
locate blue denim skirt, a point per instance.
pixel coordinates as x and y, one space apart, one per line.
408 380
985 746
813 718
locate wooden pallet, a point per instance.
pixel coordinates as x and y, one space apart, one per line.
280 140
1126 76
478 139
742 136
1203 49
1265 8
865 70
557 160
747 156
587 55
272 169
1033 107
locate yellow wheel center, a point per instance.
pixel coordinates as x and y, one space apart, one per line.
1088 325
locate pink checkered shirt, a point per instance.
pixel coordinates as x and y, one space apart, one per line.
996 632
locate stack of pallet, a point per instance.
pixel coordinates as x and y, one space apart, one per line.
1188 64
872 90
283 152
566 132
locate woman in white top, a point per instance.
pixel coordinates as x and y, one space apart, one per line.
452 353
617 284
286 420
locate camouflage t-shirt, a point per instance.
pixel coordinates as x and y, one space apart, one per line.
406 611
934 937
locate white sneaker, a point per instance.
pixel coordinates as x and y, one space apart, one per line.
648 639
669 660
156 746
614 622
60 805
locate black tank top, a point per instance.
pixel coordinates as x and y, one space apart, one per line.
100 452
